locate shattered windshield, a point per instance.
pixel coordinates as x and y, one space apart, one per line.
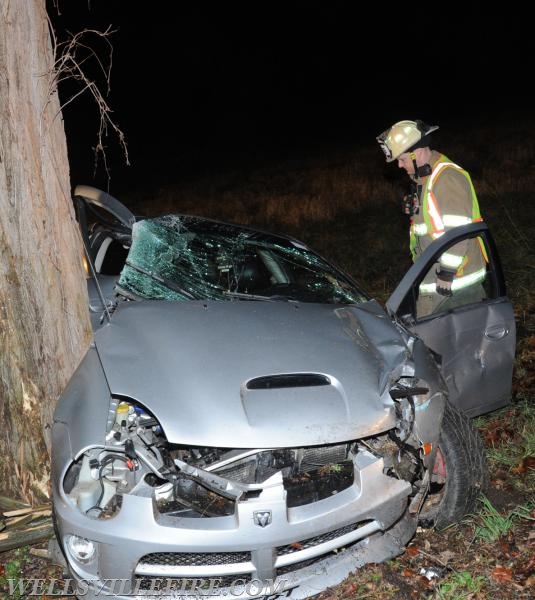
188 258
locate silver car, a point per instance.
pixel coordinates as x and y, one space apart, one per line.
249 423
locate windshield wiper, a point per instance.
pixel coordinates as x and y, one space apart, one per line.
167 282
245 296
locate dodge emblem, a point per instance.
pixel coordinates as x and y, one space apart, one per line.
262 517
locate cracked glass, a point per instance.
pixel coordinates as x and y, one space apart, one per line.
187 258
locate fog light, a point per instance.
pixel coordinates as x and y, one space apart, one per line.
81 549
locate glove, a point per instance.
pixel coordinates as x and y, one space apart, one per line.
410 205
406 205
443 282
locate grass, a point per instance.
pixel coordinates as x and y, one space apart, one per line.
13 569
460 585
510 437
492 524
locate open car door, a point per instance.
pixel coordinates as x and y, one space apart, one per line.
475 338
106 228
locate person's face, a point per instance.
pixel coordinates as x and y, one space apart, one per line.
405 162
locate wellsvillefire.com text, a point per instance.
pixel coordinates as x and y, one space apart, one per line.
160 588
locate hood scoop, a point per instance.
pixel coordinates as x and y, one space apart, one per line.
287 380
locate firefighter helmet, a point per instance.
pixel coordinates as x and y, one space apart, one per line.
404 136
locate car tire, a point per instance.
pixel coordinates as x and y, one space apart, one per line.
460 473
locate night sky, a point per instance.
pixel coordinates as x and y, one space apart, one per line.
197 85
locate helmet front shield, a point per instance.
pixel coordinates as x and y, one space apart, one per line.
404 136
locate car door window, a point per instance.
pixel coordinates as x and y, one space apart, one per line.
484 283
475 285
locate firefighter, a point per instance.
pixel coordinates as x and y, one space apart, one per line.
442 197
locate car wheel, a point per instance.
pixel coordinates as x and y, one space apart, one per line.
459 475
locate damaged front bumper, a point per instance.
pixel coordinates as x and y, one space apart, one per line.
298 551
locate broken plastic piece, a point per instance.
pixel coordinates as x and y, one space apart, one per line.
431 572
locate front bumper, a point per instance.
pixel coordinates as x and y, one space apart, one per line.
308 547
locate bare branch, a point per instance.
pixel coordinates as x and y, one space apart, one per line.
75 57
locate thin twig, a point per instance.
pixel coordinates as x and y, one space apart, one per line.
74 57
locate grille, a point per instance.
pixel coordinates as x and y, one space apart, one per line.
191 585
306 488
318 539
310 542
195 559
298 565
248 472
316 457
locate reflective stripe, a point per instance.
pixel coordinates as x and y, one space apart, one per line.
437 170
428 288
483 249
458 283
451 260
434 213
461 282
434 223
419 228
456 220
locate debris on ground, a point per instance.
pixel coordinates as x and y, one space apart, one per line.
22 524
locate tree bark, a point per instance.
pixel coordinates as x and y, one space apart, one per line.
44 324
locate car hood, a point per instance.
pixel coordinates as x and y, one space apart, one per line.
191 365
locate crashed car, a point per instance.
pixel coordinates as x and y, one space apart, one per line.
249 422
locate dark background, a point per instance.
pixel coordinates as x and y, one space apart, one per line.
197 86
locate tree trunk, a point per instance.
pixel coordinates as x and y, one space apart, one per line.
44 324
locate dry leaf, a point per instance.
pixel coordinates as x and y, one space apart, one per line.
502 574
425 582
349 590
520 468
505 546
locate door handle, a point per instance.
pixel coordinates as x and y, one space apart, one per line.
496 332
